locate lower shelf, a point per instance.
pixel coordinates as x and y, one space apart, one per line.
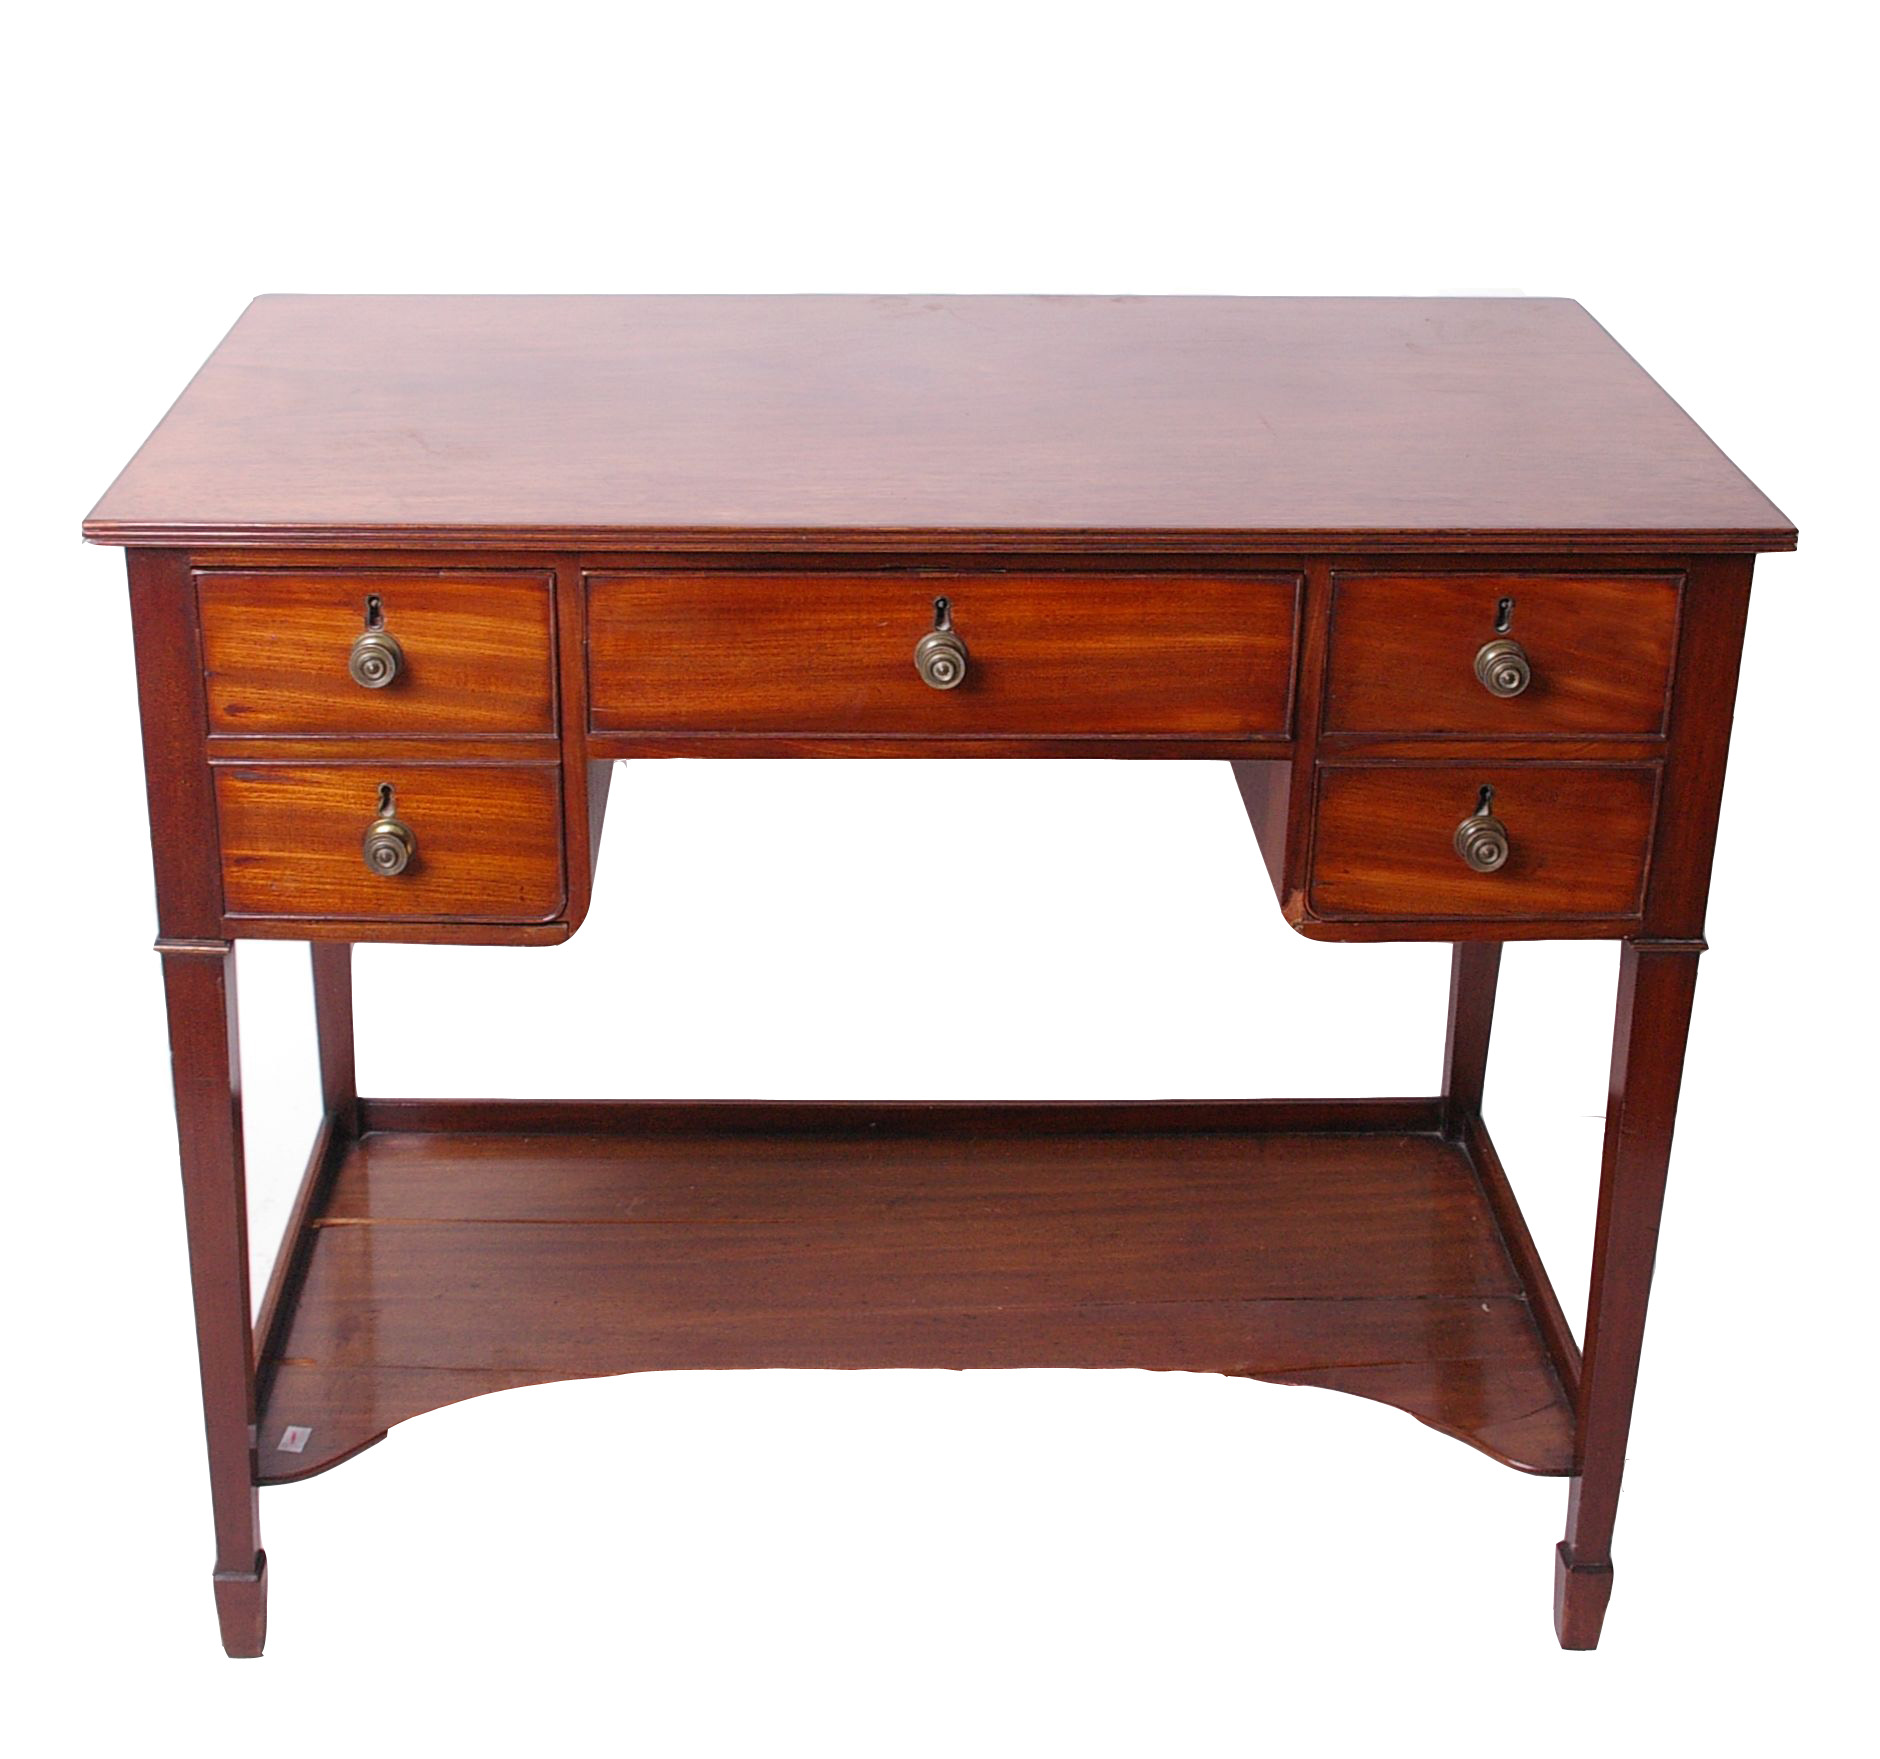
458 1248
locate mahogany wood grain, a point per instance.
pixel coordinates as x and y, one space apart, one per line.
289 1270
1462 424
586 776
1295 853
1265 786
199 986
908 1236
600 781
477 645
1474 969
1710 650
1073 556
238 748
489 841
1455 748
424 931
1265 531
333 1032
1048 654
1549 1316
177 782
1403 653
1377 930
881 1118
1130 747
1579 837
205 1068
1656 987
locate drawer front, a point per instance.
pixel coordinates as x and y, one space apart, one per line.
488 841
1597 651
475 652
1579 840
1174 655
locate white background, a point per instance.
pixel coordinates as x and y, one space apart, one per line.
930 1563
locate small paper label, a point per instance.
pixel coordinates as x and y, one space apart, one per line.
294 1439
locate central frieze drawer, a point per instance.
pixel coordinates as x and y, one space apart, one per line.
1179 655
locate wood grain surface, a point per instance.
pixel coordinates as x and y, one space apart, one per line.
765 497
489 841
749 422
478 652
1403 653
1579 839
1052 655
450 1263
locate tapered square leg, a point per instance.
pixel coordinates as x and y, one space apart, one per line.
199 986
1657 982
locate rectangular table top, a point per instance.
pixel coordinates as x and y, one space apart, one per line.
887 424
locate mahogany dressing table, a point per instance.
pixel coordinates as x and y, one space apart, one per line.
1452 586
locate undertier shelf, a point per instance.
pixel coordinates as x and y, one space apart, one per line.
458 1248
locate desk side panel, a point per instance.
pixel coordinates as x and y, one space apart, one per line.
183 844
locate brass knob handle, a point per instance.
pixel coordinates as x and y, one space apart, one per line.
940 655
389 843
1502 665
940 659
1482 839
376 659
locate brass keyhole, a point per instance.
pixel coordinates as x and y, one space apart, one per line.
940 655
376 658
1482 839
389 844
1501 663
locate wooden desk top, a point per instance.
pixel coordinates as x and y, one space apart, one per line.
889 424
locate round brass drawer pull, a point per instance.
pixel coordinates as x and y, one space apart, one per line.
1482 840
389 842
376 659
389 846
940 655
940 658
1502 665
